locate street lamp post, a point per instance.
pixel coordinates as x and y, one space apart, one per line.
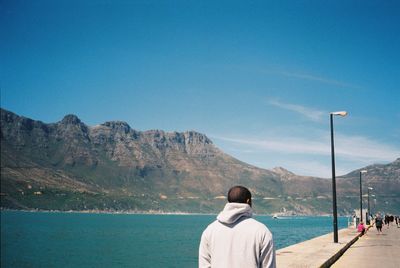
369 211
361 213
374 199
335 224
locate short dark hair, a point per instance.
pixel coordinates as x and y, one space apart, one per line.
239 194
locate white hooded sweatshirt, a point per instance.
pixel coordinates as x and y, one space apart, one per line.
236 240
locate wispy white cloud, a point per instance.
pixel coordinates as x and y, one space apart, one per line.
312 77
352 148
315 168
310 113
288 145
364 149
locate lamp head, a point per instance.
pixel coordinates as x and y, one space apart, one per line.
370 188
363 171
341 113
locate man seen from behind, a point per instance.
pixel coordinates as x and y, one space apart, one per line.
235 239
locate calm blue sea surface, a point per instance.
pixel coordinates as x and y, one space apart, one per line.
41 239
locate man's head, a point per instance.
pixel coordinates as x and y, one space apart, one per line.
239 194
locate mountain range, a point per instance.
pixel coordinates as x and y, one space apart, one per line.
69 165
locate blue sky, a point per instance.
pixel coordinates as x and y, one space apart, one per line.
257 77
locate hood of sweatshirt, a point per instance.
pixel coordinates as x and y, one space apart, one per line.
233 212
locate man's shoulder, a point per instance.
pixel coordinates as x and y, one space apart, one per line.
211 226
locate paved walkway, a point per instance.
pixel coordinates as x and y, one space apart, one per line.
317 252
373 250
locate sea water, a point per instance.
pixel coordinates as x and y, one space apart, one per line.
52 239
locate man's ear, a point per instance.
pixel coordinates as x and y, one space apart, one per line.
248 201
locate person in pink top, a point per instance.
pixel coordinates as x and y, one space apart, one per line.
361 228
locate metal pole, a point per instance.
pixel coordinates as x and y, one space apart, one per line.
335 225
361 213
369 212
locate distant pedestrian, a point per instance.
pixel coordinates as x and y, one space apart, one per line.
235 239
387 220
361 228
378 223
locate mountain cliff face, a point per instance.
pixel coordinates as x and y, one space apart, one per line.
385 181
71 166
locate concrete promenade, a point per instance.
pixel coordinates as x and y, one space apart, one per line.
317 252
374 250
353 250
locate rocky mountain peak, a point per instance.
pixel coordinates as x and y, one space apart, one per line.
71 119
187 138
195 138
72 128
282 171
7 116
119 126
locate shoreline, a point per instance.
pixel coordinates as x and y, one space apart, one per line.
126 212
133 212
